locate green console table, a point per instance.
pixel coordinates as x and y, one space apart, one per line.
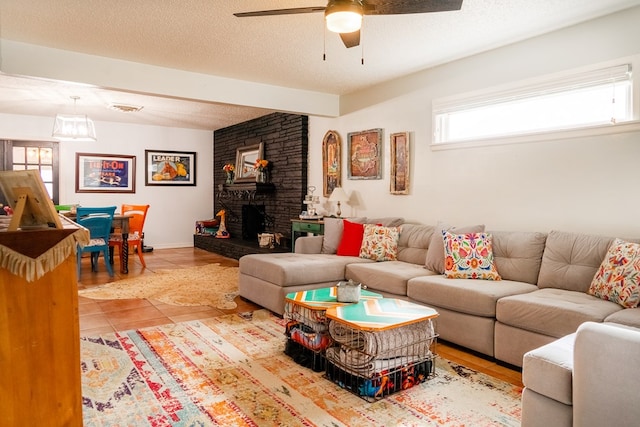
309 226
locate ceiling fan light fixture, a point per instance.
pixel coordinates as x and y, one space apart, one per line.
343 16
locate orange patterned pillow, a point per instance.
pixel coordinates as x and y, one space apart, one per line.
380 243
618 278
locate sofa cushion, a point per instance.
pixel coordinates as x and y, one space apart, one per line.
414 242
333 233
518 255
351 239
548 370
462 295
552 312
435 254
628 317
617 279
570 260
390 276
469 256
380 243
291 269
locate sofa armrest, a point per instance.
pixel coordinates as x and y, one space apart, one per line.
605 375
309 245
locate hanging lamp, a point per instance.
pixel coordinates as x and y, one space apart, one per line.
74 127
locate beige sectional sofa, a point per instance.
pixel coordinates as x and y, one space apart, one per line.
541 297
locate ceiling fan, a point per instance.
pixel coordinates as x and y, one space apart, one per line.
345 16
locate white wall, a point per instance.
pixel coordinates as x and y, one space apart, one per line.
174 209
585 184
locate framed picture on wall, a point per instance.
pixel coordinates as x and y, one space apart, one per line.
400 163
105 173
246 158
365 154
169 168
331 162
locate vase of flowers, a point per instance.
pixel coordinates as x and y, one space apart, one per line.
262 173
229 170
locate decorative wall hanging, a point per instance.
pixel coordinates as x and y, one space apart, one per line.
170 168
400 160
331 162
105 173
365 154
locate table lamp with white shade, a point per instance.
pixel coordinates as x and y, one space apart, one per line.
338 195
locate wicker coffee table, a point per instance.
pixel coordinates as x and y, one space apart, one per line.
382 346
307 325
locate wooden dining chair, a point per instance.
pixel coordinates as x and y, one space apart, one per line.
137 215
98 221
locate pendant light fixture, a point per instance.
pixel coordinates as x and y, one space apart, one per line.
74 127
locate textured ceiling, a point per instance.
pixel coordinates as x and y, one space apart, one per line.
203 36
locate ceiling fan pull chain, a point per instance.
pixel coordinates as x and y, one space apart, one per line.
324 43
361 49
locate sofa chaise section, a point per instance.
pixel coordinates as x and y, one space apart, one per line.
266 279
584 379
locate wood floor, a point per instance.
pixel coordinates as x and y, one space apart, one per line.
101 316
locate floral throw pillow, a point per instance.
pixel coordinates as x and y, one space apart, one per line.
380 243
469 256
618 278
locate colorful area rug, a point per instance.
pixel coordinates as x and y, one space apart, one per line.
231 371
212 284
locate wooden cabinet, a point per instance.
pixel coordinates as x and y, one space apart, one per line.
40 381
305 226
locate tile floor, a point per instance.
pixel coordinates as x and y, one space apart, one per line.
101 316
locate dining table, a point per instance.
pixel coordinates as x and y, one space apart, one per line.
121 222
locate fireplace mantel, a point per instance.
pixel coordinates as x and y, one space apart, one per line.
245 191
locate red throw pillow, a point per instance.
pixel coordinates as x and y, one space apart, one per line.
351 239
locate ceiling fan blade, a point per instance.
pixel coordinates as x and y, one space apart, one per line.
292 11
351 39
400 7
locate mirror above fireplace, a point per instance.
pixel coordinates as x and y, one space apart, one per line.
245 159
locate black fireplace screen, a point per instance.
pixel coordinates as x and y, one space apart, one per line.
254 221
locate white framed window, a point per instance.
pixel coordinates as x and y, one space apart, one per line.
599 97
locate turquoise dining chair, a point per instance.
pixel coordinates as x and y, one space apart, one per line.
98 221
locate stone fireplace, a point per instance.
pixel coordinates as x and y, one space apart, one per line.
285 144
